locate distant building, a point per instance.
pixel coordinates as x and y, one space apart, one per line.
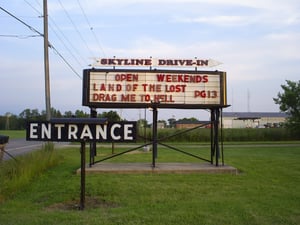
253 119
160 125
190 124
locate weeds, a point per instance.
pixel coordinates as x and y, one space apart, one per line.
15 174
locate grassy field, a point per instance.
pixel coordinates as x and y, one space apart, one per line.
266 191
13 134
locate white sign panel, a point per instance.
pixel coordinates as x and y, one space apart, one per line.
166 88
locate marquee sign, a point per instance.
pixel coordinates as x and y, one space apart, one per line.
140 88
78 130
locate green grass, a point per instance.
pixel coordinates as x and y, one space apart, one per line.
267 191
14 174
13 134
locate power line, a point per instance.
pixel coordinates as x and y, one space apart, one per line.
21 21
91 28
74 25
68 64
40 34
68 41
35 9
57 27
18 36
54 49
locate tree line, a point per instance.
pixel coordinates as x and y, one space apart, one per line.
288 101
11 121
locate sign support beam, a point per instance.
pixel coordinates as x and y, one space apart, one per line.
154 134
93 145
82 177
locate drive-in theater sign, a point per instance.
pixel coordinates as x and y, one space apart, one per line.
185 87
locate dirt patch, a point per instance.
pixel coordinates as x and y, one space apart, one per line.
90 203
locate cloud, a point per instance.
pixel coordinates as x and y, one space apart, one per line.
216 20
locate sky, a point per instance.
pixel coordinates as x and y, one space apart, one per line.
258 43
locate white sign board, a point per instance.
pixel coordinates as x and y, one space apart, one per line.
140 88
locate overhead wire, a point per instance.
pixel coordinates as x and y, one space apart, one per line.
21 21
68 64
64 36
90 27
35 9
55 33
76 28
68 41
42 35
18 36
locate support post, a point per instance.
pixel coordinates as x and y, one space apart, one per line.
154 138
93 145
212 125
222 143
217 111
215 147
82 177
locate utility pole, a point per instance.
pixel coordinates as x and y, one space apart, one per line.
46 62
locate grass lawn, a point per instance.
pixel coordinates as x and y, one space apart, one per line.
13 134
266 191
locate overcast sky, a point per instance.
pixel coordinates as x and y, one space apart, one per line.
257 41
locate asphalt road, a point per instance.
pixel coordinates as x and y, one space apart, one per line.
20 146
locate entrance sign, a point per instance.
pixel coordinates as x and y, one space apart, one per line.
153 62
78 130
141 88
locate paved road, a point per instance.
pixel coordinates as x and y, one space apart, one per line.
20 146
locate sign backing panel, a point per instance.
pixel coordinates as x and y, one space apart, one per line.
77 130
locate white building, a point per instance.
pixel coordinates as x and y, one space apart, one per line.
253 119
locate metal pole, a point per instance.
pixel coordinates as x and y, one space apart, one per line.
222 144
217 111
82 179
212 127
145 138
154 134
46 62
93 146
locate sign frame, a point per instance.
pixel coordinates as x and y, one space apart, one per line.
86 101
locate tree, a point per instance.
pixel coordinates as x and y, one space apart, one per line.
81 114
68 114
289 102
110 116
192 119
30 114
172 122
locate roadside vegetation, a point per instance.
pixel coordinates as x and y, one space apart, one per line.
19 172
229 135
